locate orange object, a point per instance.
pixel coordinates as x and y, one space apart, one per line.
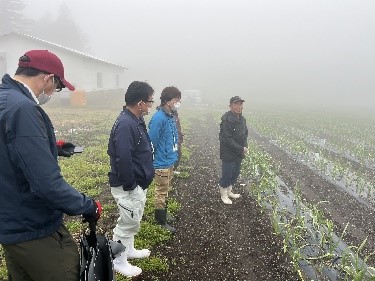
78 98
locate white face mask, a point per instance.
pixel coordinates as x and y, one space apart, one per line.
176 105
148 112
43 98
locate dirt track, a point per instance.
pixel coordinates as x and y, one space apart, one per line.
216 241
220 242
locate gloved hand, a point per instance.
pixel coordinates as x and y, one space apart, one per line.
65 149
92 218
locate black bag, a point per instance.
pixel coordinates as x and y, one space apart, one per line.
97 253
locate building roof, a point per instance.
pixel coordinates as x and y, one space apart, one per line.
79 53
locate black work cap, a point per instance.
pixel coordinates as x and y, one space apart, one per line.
235 99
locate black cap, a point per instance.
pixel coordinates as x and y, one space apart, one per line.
235 99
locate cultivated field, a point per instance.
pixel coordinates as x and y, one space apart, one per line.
307 210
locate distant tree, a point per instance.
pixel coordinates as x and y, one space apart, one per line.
63 30
69 34
44 28
12 17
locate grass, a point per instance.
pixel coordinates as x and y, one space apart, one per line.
87 172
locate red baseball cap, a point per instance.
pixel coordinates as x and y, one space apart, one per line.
46 61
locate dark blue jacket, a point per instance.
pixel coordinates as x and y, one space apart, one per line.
130 153
164 137
33 193
233 136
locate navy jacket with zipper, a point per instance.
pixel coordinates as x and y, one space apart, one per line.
130 153
233 136
33 193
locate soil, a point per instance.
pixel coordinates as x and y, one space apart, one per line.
215 241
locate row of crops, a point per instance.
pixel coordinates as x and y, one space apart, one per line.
337 152
308 236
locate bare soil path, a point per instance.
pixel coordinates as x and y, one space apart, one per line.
216 241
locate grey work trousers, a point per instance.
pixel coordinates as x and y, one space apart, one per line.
131 204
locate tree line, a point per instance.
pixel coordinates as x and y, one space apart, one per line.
61 30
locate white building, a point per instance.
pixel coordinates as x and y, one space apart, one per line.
193 96
84 71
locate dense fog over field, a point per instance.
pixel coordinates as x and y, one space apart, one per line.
290 51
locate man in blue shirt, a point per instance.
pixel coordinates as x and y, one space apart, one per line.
164 136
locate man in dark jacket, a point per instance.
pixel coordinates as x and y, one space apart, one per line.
34 195
233 147
132 171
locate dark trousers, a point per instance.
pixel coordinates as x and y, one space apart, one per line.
54 257
229 172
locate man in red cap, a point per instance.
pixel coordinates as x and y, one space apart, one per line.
233 148
34 195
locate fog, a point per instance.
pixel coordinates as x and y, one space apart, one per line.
290 51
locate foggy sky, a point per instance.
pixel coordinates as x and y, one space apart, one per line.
291 50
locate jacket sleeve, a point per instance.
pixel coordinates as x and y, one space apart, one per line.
228 137
155 128
30 151
124 143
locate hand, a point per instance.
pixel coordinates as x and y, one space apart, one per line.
92 218
65 149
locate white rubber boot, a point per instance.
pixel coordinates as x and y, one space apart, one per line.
231 194
224 195
121 264
137 254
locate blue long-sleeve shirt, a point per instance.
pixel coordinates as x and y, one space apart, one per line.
164 137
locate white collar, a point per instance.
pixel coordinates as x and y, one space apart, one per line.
27 87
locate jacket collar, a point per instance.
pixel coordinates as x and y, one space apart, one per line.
128 112
169 114
21 86
234 116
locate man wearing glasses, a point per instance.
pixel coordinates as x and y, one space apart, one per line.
34 195
132 171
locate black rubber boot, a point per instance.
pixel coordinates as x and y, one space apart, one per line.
169 216
161 219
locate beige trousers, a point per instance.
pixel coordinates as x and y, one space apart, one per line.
163 178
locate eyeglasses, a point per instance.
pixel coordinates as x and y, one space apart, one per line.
57 83
151 101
